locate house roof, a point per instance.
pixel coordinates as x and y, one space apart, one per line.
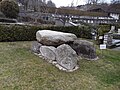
102 7
69 11
113 8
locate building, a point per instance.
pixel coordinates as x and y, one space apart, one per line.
92 14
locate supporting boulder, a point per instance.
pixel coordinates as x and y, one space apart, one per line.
66 57
85 49
36 47
48 52
54 38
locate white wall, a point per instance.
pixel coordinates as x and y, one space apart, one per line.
115 16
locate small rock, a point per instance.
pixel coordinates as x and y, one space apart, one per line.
36 47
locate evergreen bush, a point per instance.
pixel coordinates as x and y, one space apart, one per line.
28 33
9 8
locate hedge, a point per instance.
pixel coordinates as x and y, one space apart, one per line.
7 20
102 29
28 33
116 36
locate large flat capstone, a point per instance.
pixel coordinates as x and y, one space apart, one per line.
54 38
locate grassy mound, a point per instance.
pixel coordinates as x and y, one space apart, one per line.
20 69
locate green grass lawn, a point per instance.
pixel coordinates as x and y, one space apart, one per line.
20 69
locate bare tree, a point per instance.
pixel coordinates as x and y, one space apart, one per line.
94 1
115 1
25 3
115 5
51 4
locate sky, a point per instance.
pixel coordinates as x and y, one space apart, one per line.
68 2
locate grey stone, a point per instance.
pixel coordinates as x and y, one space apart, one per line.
85 49
119 31
66 57
112 29
54 38
36 47
48 52
109 39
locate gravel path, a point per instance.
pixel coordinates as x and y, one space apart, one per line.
118 49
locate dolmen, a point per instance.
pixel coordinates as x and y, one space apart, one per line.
62 49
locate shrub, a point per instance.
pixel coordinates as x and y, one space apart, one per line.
28 33
17 33
7 20
116 36
102 29
2 15
9 8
